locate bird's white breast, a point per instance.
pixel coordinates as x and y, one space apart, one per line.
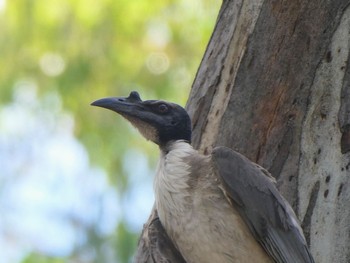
171 181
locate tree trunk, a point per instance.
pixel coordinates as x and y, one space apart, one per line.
274 86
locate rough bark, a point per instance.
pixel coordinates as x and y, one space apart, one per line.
274 85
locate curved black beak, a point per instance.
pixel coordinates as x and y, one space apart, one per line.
119 104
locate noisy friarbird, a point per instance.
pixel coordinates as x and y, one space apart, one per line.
216 208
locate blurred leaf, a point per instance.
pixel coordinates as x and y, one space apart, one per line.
37 258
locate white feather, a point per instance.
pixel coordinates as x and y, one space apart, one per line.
171 181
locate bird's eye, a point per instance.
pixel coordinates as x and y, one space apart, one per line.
162 108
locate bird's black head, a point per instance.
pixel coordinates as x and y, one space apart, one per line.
158 121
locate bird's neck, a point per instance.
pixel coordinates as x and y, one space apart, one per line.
174 166
172 180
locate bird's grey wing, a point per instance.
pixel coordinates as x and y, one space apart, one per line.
269 217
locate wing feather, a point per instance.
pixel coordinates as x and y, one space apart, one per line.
267 214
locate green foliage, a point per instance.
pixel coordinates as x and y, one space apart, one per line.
37 258
87 49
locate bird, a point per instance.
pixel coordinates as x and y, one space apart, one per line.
219 207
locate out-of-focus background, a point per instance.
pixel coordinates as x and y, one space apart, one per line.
76 181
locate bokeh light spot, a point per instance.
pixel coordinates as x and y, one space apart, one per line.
157 63
2 5
158 34
52 64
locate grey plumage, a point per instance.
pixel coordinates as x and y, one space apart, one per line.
267 214
216 208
